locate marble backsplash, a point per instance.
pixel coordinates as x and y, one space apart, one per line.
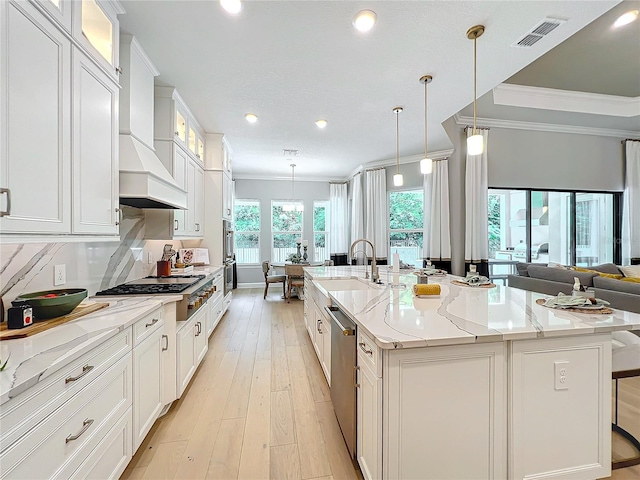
28 267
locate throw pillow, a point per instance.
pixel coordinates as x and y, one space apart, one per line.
556 265
602 274
631 279
631 270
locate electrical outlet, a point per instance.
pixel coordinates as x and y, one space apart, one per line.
561 375
150 258
59 274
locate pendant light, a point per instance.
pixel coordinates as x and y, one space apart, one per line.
398 180
293 206
426 164
475 143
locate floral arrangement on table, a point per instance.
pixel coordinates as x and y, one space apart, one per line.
294 258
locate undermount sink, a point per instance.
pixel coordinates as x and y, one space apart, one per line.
342 284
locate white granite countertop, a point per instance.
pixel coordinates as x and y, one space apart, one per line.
395 318
35 358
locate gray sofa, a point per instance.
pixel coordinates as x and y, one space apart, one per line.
550 280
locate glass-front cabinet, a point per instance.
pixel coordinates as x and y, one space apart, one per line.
60 10
96 27
181 127
192 141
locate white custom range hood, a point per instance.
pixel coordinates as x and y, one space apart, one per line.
144 180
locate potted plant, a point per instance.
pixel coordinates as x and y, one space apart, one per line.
294 258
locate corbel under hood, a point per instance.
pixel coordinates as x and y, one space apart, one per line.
144 180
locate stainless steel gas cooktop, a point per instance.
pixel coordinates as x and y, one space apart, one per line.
153 285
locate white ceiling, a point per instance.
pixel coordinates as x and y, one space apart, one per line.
292 62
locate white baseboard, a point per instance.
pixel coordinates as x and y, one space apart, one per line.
251 285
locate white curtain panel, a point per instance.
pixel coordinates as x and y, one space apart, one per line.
437 235
376 214
357 208
631 204
476 245
338 211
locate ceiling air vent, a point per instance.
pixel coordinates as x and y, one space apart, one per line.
543 28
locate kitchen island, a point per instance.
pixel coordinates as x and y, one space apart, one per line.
476 382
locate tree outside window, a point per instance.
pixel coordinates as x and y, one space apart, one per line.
247 231
286 228
321 231
406 225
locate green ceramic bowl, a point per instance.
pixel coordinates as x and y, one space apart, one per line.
51 303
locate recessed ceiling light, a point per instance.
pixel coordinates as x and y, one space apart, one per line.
626 19
233 7
251 117
321 123
364 20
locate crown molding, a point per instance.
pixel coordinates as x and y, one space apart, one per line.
565 100
546 127
437 155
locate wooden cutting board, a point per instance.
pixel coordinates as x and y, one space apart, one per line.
38 327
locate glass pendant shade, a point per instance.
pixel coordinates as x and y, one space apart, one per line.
475 145
398 180
426 166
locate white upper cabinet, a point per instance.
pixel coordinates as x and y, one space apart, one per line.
59 10
95 149
96 28
35 123
174 121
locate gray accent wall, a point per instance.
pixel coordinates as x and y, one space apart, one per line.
265 191
550 160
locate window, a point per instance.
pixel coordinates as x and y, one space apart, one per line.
570 228
406 225
321 231
286 227
247 231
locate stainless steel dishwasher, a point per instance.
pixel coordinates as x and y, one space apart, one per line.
343 371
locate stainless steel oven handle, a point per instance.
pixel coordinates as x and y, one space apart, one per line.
345 331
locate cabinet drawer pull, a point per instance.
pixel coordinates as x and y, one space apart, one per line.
86 369
85 426
166 345
364 348
4 213
176 225
153 322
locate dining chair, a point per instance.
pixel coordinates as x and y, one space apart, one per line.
295 278
268 279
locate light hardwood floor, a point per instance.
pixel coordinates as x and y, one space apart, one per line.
259 406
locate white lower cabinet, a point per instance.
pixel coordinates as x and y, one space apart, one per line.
148 381
59 444
191 347
444 411
369 420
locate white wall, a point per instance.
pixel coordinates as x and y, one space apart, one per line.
265 191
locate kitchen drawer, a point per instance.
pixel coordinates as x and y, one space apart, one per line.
215 314
26 410
111 456
370 352
147 325
62 441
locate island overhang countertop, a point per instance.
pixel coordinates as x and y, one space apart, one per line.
396 318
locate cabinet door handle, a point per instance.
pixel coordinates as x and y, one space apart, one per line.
119 70
166 345
355 376
119 213
364 348
176 224
4 213
153 322
86 369
85 426
319 323
177 133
